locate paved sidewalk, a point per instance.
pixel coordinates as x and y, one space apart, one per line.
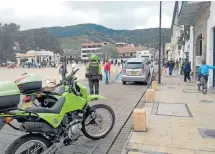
181 121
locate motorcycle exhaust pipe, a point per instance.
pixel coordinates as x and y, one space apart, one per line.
37 127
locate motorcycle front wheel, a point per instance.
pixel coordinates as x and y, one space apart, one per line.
95 122
28 144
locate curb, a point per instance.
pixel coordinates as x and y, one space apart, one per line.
125 150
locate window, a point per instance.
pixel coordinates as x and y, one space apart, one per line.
200 46
131 54
123 55
134 65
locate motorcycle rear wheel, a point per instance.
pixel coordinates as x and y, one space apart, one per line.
26 139
104 134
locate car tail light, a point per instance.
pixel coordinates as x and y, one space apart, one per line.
143 70
38 95
27 99
8 119
124 71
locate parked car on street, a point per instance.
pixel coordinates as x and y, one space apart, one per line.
136 70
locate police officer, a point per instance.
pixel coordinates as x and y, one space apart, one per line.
94 74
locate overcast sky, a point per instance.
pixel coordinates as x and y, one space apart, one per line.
112 14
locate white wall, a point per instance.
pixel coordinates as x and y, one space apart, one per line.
188 47
209 52
191 47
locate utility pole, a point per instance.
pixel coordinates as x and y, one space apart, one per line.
159 64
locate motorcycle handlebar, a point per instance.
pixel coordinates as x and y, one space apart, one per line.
59 84
75 71
71 87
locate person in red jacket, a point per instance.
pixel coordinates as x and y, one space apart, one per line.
107 71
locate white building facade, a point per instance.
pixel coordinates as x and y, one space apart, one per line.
90 48
176 46
146 53
38 56
210 54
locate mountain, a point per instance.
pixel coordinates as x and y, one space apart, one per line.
71 37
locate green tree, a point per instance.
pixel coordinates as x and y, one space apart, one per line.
8 33
110 50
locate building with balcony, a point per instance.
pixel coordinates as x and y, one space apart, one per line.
210 55
201 19
176 44
89 48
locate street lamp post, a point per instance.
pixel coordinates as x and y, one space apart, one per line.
163 47
159 64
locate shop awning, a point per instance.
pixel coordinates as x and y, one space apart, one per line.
189 11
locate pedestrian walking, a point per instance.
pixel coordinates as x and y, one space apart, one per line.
187 70
166 66
182 67
107 71
171 66
63 70
177 65
94 74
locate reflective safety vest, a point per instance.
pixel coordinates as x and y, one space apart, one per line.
93 70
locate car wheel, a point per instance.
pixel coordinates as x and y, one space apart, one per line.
145 83
123 82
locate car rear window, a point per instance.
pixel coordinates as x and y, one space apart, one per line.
134 65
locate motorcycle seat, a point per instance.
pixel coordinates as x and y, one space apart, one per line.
59 90
56 108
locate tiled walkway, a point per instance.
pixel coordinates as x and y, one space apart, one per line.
181 121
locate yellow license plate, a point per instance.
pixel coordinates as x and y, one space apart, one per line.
26 105
133 73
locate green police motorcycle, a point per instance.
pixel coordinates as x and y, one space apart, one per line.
48 129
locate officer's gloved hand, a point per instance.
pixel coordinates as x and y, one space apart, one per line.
100 77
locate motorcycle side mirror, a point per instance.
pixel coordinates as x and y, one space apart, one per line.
73 65
47 81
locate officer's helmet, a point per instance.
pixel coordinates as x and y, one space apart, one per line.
94 57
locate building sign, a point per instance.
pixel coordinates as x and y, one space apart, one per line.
198 60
